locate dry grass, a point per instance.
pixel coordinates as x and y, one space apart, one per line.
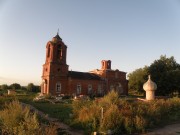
122 116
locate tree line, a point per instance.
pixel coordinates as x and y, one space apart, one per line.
165 72
16 86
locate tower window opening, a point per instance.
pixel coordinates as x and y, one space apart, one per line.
59 53
48 54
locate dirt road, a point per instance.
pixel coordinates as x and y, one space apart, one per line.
173 129
55 121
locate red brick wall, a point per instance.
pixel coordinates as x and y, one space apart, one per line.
84 86
113 78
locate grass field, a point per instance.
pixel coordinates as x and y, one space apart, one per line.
60 111
141 115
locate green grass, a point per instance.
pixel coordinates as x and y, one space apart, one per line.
60 111
28 97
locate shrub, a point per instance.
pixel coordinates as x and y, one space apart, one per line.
15 119
89 112
140 123
77 105
111 98
112 119
90 116
123 116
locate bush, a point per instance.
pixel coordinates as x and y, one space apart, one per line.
88 113
123 116
15 119
111 98
78 105
112 119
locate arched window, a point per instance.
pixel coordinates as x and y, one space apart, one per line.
58 87
59 52
89 88
48 53
99 89
79 89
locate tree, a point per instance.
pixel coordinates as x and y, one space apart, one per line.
137 78
15 86
165 72
33 88
174 80
4 87
23 88
30 87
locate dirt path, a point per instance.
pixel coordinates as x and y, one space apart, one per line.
173 129
55 121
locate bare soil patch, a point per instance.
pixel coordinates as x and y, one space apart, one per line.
173 129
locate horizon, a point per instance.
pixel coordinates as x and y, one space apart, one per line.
132 34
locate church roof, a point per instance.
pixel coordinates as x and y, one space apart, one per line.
57 37
83 75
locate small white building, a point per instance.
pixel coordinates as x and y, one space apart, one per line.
11 92
150 88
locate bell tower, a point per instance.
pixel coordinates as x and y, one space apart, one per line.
106 64
55 69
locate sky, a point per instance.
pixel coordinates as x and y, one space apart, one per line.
130 33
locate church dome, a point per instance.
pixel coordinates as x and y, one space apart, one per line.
149 85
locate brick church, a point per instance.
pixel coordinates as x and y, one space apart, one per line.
57 79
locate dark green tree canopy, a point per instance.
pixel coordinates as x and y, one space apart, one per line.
137 78
165 72
4 87
15 86
33 88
